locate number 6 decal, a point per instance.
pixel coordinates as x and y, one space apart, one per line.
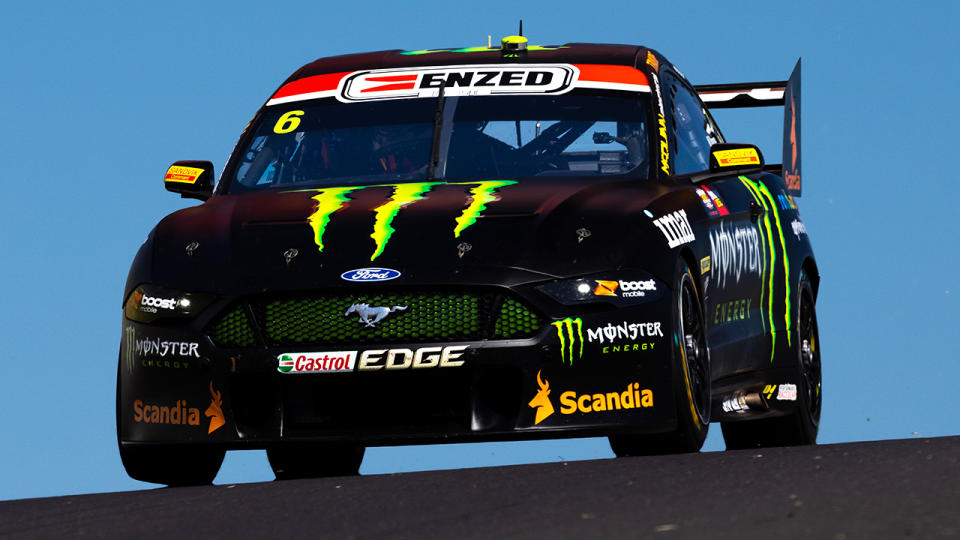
288 122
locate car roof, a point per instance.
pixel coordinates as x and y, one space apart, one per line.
579 53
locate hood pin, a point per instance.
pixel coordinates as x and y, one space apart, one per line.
582 233
192 248
290 254
463 248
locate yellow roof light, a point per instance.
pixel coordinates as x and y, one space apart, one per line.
513 44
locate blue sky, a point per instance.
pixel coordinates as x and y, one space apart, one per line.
97 99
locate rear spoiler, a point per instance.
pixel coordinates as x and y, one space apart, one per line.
766 94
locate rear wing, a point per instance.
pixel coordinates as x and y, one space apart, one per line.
766 94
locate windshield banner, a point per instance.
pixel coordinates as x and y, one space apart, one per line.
464 80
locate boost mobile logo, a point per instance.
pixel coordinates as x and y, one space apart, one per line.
568 338
331 200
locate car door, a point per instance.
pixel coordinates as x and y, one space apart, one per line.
732 270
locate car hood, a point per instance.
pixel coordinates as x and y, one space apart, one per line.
506 231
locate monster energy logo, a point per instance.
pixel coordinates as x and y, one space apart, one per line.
568 339
333 199
761 194
130 344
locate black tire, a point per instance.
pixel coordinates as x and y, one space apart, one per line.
314 460
691 381
800 427
180 465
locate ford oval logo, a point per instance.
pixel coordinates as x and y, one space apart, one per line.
370 274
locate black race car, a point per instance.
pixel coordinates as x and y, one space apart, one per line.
513 242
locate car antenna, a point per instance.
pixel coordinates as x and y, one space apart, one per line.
520 33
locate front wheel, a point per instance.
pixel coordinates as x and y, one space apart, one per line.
314 460
801 426
691 380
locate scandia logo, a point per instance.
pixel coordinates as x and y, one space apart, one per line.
468 80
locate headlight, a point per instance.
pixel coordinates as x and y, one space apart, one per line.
148 303
637 288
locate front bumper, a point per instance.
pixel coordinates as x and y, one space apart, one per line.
594 370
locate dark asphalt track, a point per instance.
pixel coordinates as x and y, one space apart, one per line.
901 488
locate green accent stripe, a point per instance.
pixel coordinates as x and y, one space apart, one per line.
786 260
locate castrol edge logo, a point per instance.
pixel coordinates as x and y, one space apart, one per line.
466 80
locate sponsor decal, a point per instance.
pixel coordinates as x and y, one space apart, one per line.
633 397
151 304
606 288
735 251
164 348
468 80
786 202
628 289
182 175
568 339
787 392
705 265
628 347
332 199
214 411
675 228
462 80
798 227
180 413
541 401
176 414
734 310
317 362
370 316
770 230
624 331
737 157
129 345
662 125
712 202
768 390
425 357
370 274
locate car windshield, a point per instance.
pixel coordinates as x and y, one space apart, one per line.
327 142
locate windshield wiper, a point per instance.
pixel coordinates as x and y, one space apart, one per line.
437 128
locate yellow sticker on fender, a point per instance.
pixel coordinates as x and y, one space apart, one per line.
737 156
183 175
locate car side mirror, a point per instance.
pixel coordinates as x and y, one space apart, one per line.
191 179
731 159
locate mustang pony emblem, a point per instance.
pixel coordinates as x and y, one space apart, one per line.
372 315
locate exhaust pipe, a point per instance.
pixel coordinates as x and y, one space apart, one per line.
740 402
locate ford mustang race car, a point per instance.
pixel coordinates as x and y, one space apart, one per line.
480 244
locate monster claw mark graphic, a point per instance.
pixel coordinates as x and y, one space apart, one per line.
214 411
484 193
567 337
329 200
403 195
334 199
130 340
762 195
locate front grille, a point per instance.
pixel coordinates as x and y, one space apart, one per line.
411 317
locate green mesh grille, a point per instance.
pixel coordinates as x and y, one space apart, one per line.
324 320
515 320
233 330
318 319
